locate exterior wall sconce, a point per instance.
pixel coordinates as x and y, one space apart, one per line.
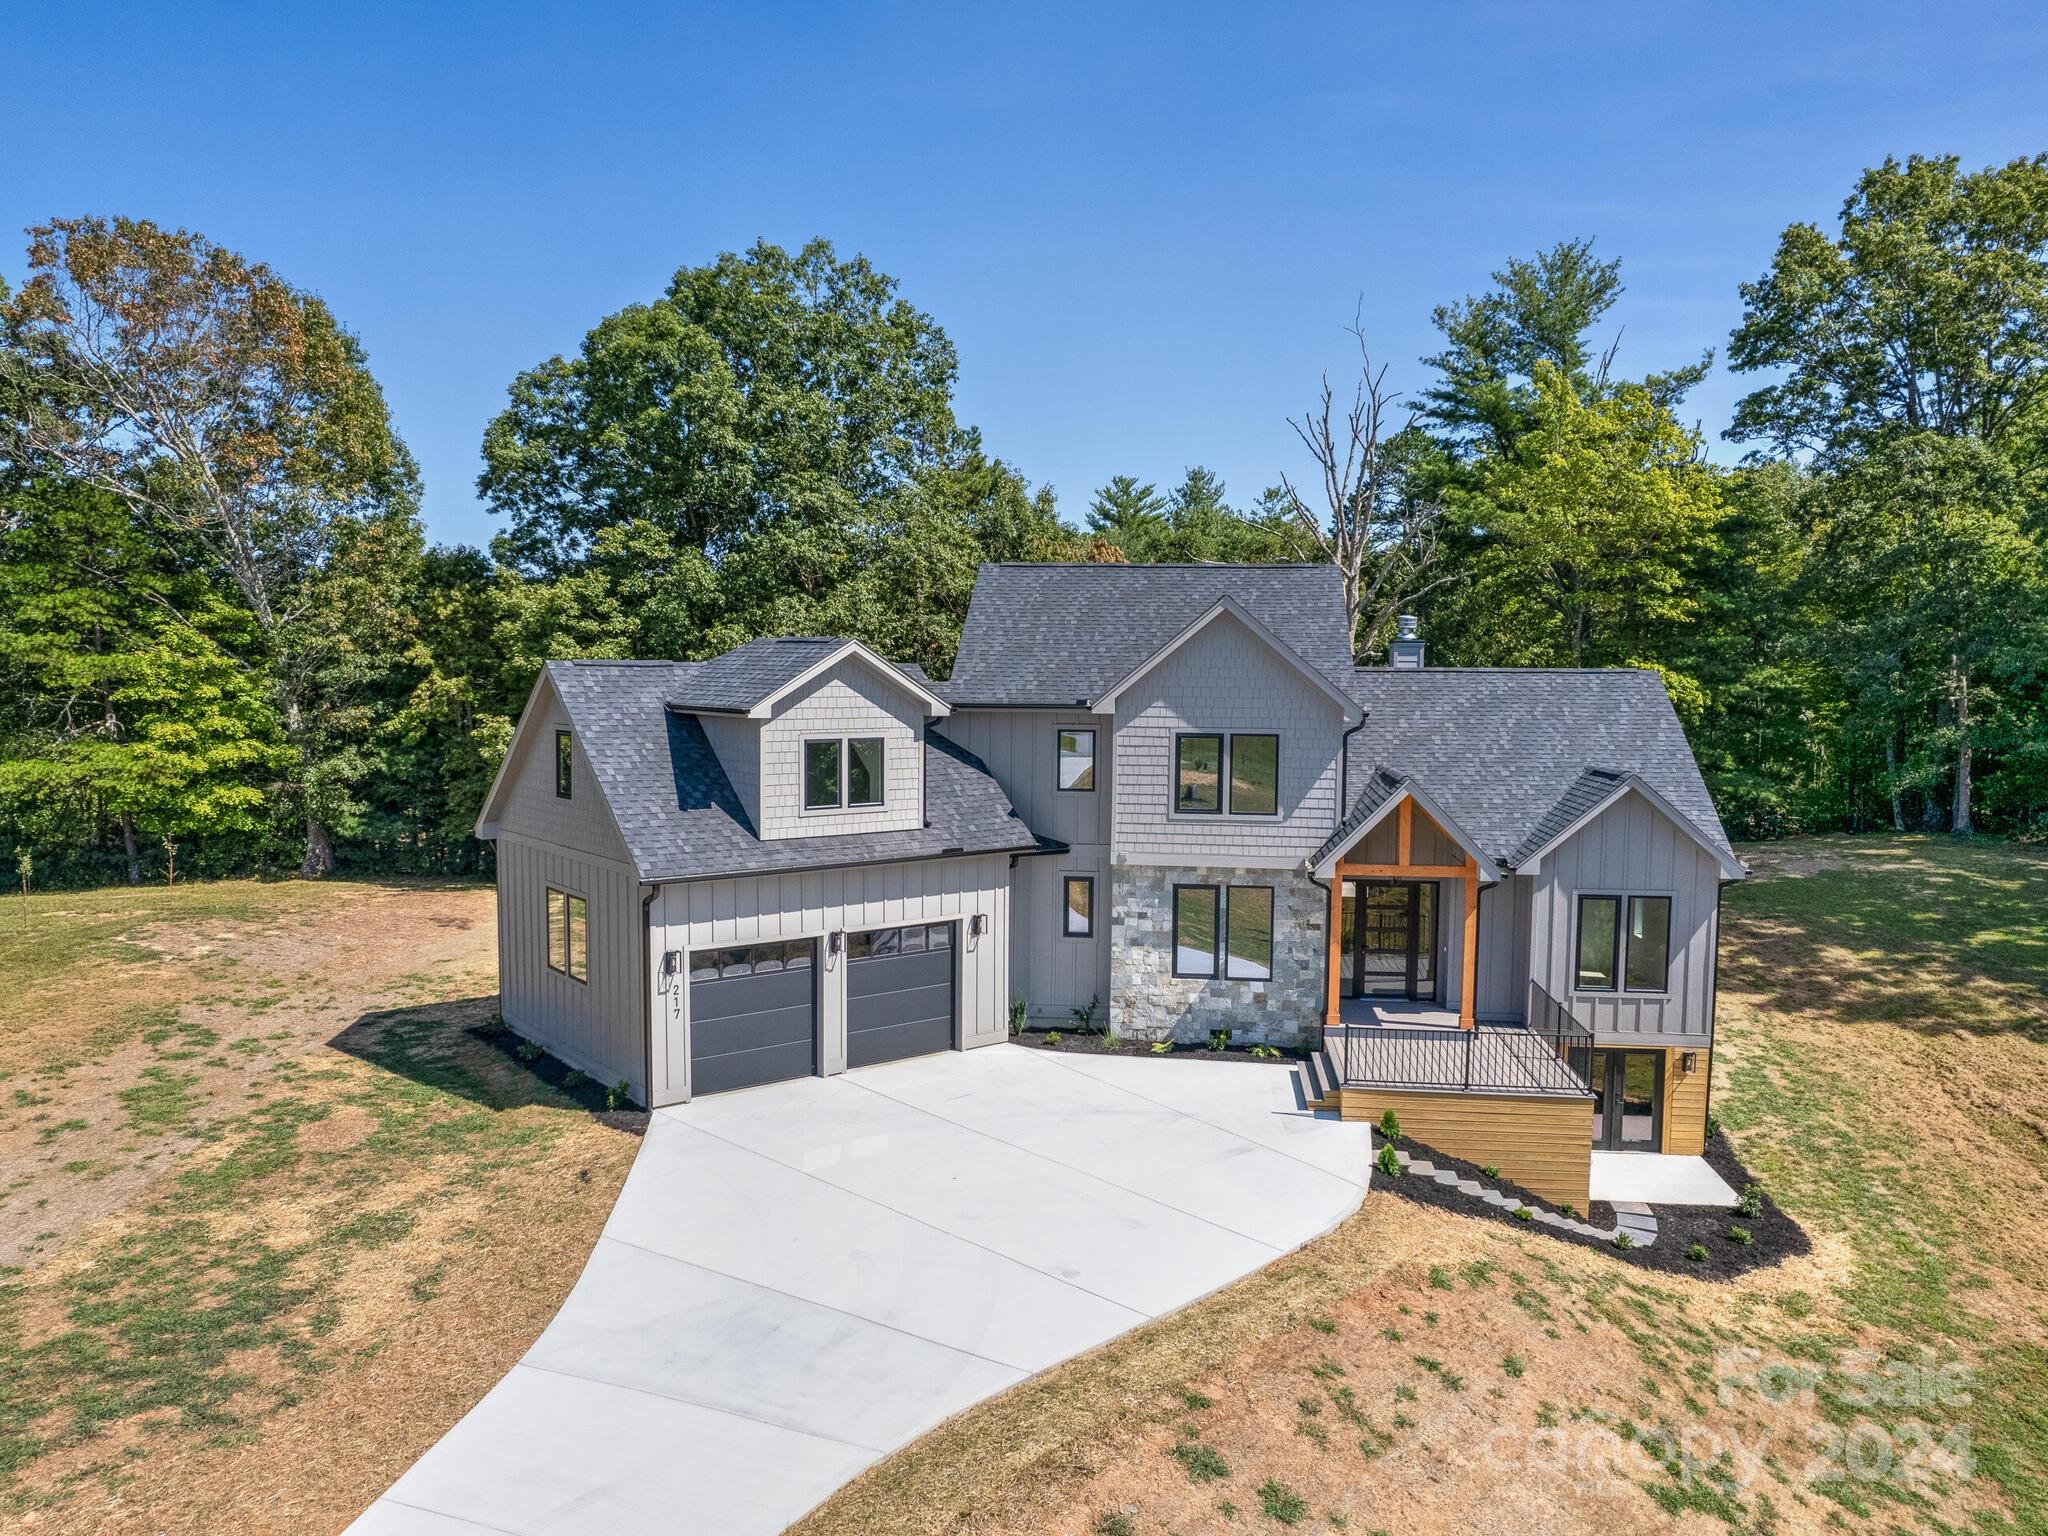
978 924
835 941
1688 1061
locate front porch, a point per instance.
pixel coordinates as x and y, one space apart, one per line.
1424 1047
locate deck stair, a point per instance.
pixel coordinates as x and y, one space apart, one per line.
1319 1085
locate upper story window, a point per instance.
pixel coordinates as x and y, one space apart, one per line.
1249 762
1077 759
843 772
565 758
1612 956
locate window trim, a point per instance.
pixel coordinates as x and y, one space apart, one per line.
1670 911
803 797
568 966
881 775
1215 973
1226 749
1230 774
565 759
1059 754
1620 900
1067 883
1222 773
1223 929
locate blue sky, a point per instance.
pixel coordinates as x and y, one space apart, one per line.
1145 228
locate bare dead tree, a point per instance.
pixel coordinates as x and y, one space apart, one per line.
1368 521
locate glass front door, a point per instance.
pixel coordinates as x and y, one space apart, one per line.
1389 938
1627 1094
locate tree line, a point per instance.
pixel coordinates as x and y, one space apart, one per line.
226 641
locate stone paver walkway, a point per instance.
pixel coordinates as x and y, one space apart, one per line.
1630 1216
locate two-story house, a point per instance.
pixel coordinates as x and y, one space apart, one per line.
1487 898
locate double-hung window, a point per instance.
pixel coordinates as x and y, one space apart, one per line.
1223 930
568 935
1205 761
843 772
1614 955
1077 759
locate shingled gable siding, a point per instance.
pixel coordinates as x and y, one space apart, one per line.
1225 679
738 745
1631 848
850 699
716 914
598 1025
1054 974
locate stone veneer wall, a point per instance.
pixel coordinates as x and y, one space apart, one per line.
1148 1002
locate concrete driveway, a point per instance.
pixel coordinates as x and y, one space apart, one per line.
799 1279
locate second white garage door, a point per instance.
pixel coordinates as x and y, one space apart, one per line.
900 992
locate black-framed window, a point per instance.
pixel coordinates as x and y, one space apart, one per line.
821 775
1076 759
1196 909
1598 961
1248 933
1077 907
864 759
568 935
1198 774
1254 775
1648 964
565 761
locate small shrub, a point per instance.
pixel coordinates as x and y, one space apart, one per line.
573 1080
1016 1017
1389 1161
1568 1209
1523 1213
1161 1047
1514 1365
1697 1253
526 1050
1390 1125
1115 1523
1265 1053
1281 1502
1751 1205
1623 1240
1491 1170
1084 1016
1713 1126
619 1095
1219 1039
1739 1235
1053 1038
1202 1463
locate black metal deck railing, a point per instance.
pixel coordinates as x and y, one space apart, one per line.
1550 1052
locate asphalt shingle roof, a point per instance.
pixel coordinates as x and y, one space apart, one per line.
1508 751
681 818
747 674
1059 634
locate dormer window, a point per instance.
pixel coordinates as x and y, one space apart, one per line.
843 773
564 760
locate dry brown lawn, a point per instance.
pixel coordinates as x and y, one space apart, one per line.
272 1219
1882 1065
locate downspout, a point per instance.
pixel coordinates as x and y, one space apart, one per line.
1329 902
647 990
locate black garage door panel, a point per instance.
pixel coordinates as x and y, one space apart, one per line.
753 1017
899 1004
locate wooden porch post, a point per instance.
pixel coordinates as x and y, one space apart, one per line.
1468 992
1331 1018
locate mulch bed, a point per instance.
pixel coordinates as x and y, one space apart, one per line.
1773 1234
1095 1043
608 1104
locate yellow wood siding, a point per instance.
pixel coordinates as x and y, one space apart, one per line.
1544 1145
1685 1103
